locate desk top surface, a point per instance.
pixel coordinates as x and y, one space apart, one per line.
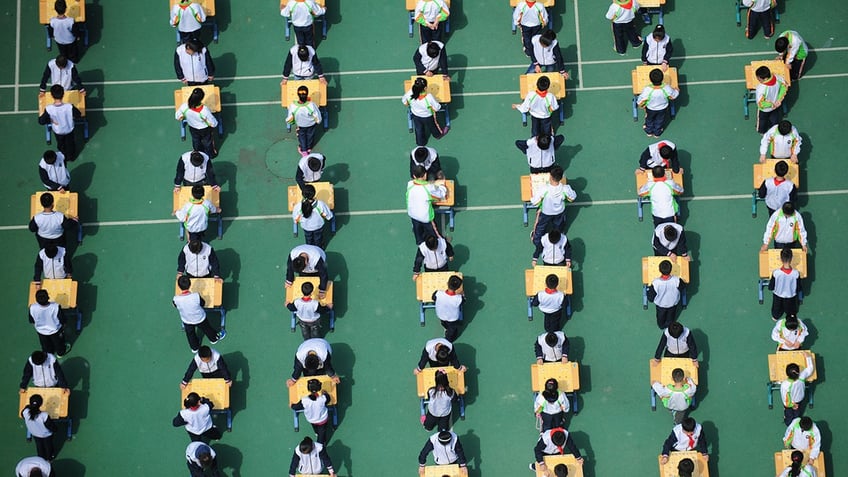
640 77
566 374
64 202
437 85
783 459
531 184
777 364
62 291
527 83
323 192
451 470
46 10
184 196
429 282
210 289
55 401
212 98
769 261
574 468
534 279
642 179
651 270
299 389
702 469
293 292
765 170
662 371
426 379
214 389
651 3
208 5
71 96
317 92
776 66
450 197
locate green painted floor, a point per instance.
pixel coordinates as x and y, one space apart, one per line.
126 365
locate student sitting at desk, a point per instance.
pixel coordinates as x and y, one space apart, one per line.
551 202
44 371
670 241
423 107
430 16
201 460
53 263
187 17
786 228
781 141
310 458
65 31
313 357
531 16
446 450
676 397
308 261
34 467
545 56
622 13
665 293
53 171
195 213
302 15
550 302
193 63
190 306
792 389
554 248
778 190
789 333
197 419
551 347
306 115
792 50
309 169
440 404
420 196
302 63
798 468
803 434
61 117
197 259
431 58
655 99
785 282
686 436
40 426
61 71
201 123
428 158
448 304
540 103
770 92
551 406
314 407
49 225
311 213
49 322
662 153
434 253
308 311
438 352
554 441
211 365
540 153
664 207
677 341
195 168
657 48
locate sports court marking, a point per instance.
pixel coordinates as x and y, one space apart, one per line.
17 57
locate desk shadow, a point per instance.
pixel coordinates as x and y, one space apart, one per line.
230 269
226 68
229 458
336 173
578 255
807 283
343 361
693 242
803 156
340 455
812 332
332 16
458 20
68 468
338 273
228 117
581 440
88 219
78 374
567 154
826 439
239 367
461 254
457 66
450 166
223 16
94 25
820 364
334 90
580 186
342 204
226 174
473 452
87 303
678 56
682 99
577 346
81 176
473 291
467 356
94 99
703 342
710 432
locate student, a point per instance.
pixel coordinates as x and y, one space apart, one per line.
49 226
551 347
53 171
446 450
193 63
65 31
187 17
551 406
311 213
685 468
778 190
63 72
310 458
781 141
34 467
539 104
61 118
44 371
428 158
309 169
448 305
670 241
195 213
197 419
431 58
52 262
308 311
770 93
314 357
197 259
423 107
759 14
655 99
677 341
438 352
792 50
554 248
420 196
308 261
686 436
545 56
804 435
190 306
622 13
314 407
657 48
785 283
211 365
551 203
664 207
786 228
302 63
676 397
430 15
49 322
531 17
195 168
434 253
306 115
302 15
440 404
789 333
554 441
201 123
665 292
201 460
540 151
662 153
792 389
550 302
798 468
40 426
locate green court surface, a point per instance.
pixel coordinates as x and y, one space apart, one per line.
126 364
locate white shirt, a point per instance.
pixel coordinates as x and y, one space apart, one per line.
544 54
46 318
542 405
662 194
320 212
553 253
189 307
440 402
682 443
50 224
539 158
528 16
197 264
319 346
550 301
553 197
551 354
674 398
193 66
781 334
677 345
619 14
444 454
61 117
305 115
431 10
656 98
308 174
757 5
792 390
302 12
767 95
197 420
656 49
53 268
44 375
313 254
803 440
58 171
302 68
431 64
194 173
191 452
419 199
199 118
539 106
310 464
208 367
316 411
668 293
63 30
448 306
37 426
188 18
27 464
423 106
785 229
431 345
780 146
195 215
307 310
61 76
434 259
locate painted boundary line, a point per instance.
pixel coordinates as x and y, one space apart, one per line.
18 58
577 45
473 208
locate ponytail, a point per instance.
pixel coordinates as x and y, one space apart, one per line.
797 463
418 87
306 208
34 406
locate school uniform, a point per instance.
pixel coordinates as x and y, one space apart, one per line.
48 374
759 15
188 18
61 118
767 95
424 121
550 302
681 347
545 446
54 268
28 464
551 203
198 422
313 226
49 228
320 348
555 254
420 196
540 160
215 368
201 123
189 175
665 293
551 354
540 105
551 413
431 164
657 52
655 99
304 174
428 11
547 58
785 231
792 393
428 354
679 441
781 334
785 284
622 13
54 176
308 312
49 322
777 191
41 427
67 77
195 217
780 146
194 69
664 247
802 440
664 207
302 69
424 63
316 265
302 14
676 398
796 53
190 306
433 260
311 463
807 470
532 17
651 157
306 116
439 409
443 454
203 264
195 467
448 304
316 413
64 31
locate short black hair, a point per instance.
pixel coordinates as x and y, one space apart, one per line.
543 83
195 246
675 329
57 91
197 192
665 267
781 44
788 208
454 282
781 168
307 288
554 236
46 200
184 282
763 73
49 156
784 127
552 281
557 172
656 76
204 352
688 424
558 437
42 297
657 172
196 158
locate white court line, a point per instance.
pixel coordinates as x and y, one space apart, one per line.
18 58
577 45
473 208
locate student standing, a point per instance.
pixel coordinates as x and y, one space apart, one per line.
786 228
430 59
302 63
53 171
49 322
770 92
195 168
781 141
198 260
314 407
540 104
65 31
804 435
665 293
314 357
686 436
438 352
423 107
440 398
308 261
308 311
63 72
430 16
793 50
540 151
201 460
40 426
433 253
657 48
655 99
195 213
190 306
551 406
201 123
34 466
677 396
448 305
420 196
311 213
306 115
551 203
428 158
197 419
310 458
61 117
551 347
622 13
554 441
550 302
446 450
44 371
663 192
789 333
531 17
187 17
792 389
302 14
211 365
52 262
759 15
49 225
778 190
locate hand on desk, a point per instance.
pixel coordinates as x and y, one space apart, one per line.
229 384
37 285
537 68
22 391
290 382
564 359
210 78
462 369
322 294
695 363
284 81
428 74
322 80
804 248
664 67
415 371
415 277
421 470
184 81
664 460
335 379
183 385
288 284
566 75
463 471
216 188
176 189
764 247
794 158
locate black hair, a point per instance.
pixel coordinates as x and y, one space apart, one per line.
547 38
34 406
558 437
791 322
665 151
805 423
665 267
38 357
443 354
184 282
675 329
781 168
51 250
307 288
797 458
41 297
35 472
440 378
60 6
670 233
418 171
314 164
677 375
433 49
656 76
557 173
551 391
306 445
49 156
454 282
313 385
298 264
195 246
685 468
302 52
46 200
554 236
195 99
192 400
445 437
561 470
543 141
57 91
308 203
793 371
552 281
786 254
418 87
194 45
784 127
197 191
302 93
781 44
551 339
688 424
312 362
196 158
658 171
420 154
659 31
543 83
788 208
763 73
204 352
61 61
431 242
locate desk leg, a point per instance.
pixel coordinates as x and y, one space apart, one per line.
684 298
182 232
451 213
85 129
776 14
461 314
28 436
288 29
760 285
745 100
575 406
49 40
223 313
421 407
446 107
447 26
810 392
333 225
568 310
462 408
296 422
529 309
220 124
411 23
79 321
324 27
79 234
525 218
639 212
182 130
47 130
335 411
409 120
635 109
754 197
332 321
673 109
514 27
785 108
178 36
69 435
644 297
325 119
769 393
421 313
524 119
738 13
215 31
229 420
661 19
220 227
293 321
653 400
561 115
294 229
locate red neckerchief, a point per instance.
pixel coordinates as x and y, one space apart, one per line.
660 179
450 292
542 93
197 109
786 270
307 298
771 81
194 408
549 291
665 277
185 6
185 292
628 4
530 4
691 440
779 180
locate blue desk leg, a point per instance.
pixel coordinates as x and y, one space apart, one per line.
79 234
422 408
421 313
325 118
800 295
462 408
575 405
220 124
84 35
409 120
79 320
561 115
411 16
514 27
447 25
49 40
288 29
639 212
754 197
182 232
635 110
85 129
293 324
684 298
745 104
525 217
333 225
661 19
182 130
673 109
760 285
812 400
446 107
524 119
644 297
71 428
529 309
294 229
296 422
770 397
324 28
738 13
47 130
568 309
178 36
223 313
229 420
220 226
335 411
653 400
28 436
451 213
332 321
215 31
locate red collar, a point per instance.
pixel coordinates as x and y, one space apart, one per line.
194 408
786 270
197 109
542 93
450 292
549 291
185 292
307 298
771 81
530 4
665 277
779 180
660 179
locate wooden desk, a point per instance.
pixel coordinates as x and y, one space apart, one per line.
661 372
293 292
437 85
770 261
650 268
783 459
47 10
640 77
317 92
428 283
534 279
426 379
527 84
214 389
566 374
55 401
575 469
62 291
642 179
765 170
182 197
777 67
451 470
210 289
64 202
72 96
208 5
448 201
531 184
651 3
323 192
674 458
212 98
299 390
777 364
